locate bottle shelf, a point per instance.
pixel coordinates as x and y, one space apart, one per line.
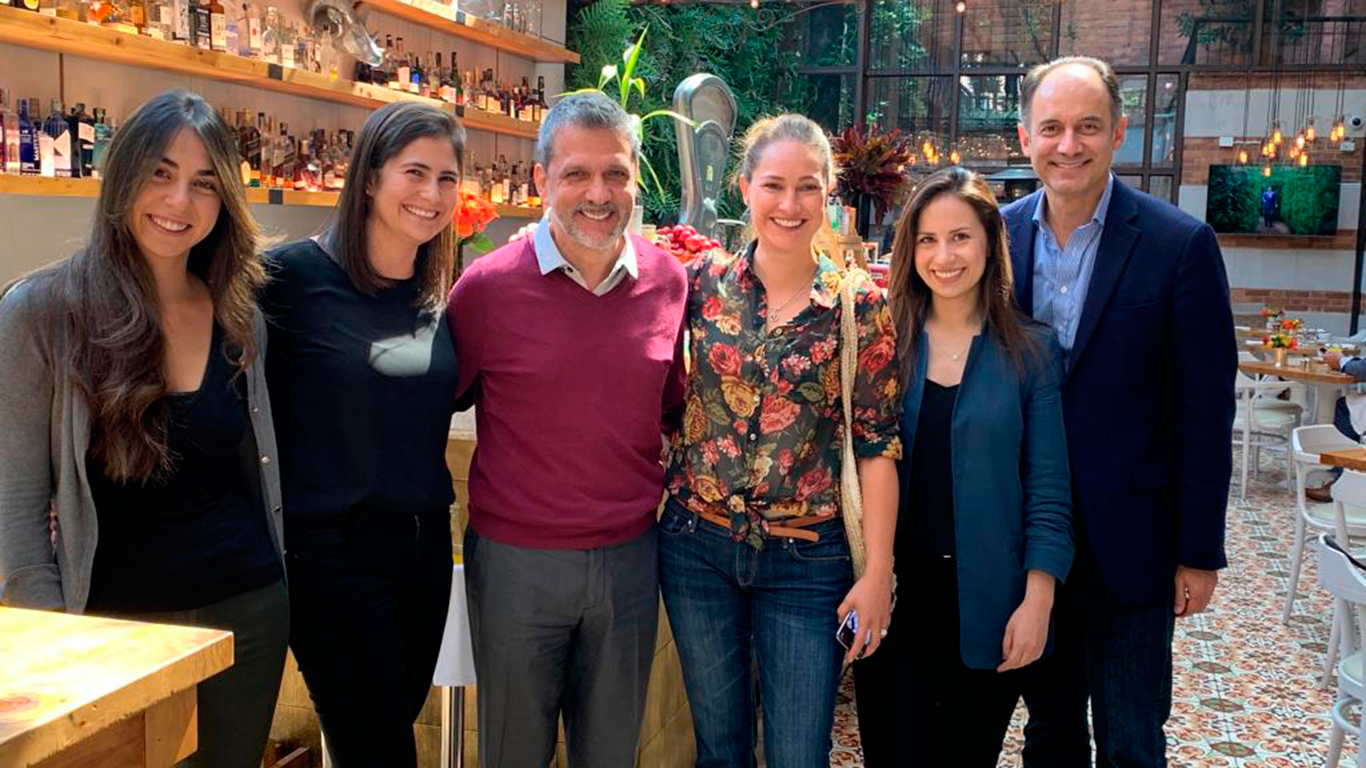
41 186
34 30
441 18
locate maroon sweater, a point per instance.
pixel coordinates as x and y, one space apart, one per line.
573 391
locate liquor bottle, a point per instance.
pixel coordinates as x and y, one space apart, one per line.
341 163
270 36
453 76
71 9
28 137
486 95
505 179
403 72
160 20
300 181
327 56
9 136
440 82
541 106
287 45
253 44
54 144
82 127
327 150
284 158
427 76
525 110
415 74
103 135
218 26
202 27
236 27
533 195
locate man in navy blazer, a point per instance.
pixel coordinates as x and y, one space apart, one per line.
1137 293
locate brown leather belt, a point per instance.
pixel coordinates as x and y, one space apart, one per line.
790 527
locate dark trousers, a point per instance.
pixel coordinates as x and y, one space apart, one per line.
1117 656
916 697
236 705
557 632
369 594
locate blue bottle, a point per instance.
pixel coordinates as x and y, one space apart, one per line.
28 142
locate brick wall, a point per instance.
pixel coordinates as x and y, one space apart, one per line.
1199 153
1295 301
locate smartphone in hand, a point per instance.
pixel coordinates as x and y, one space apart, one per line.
845 634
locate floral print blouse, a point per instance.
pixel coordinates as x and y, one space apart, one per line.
763 422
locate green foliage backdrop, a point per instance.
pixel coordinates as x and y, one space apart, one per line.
1308 198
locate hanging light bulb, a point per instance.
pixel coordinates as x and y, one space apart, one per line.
954 157
1304 159
1310 132
1242 157
962 7
1266 171
927 148
1299 141
754 4
1276 136
1294 152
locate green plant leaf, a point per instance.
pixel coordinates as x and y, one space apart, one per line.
478 243
639 83
669 113
609 71
631 56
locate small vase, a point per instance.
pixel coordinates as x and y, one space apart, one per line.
1281 354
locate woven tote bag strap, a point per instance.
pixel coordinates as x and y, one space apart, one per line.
851 496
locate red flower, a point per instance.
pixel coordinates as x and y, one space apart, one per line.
877 355
472 215
711 308
779 413
814 482
724 359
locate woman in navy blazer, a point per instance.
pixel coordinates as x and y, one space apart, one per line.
985 526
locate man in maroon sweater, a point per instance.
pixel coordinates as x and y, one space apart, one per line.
569 342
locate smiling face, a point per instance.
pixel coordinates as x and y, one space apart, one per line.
179 205
786 197
950 249
590 186
1071 139
413 194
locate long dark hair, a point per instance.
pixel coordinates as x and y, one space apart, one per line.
103 299
910 297
385 134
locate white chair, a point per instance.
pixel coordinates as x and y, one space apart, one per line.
1346 582
1262 415
1306 443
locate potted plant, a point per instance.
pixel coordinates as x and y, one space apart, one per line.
872 175
472 215
1280 345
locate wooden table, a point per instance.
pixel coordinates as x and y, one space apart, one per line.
1354 458
1325 382
85 691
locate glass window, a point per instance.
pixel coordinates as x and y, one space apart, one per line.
827 99
918 106
1133 92
1007 32
1161 186
910 35
1314 32
1205 32
1164 120
988 111
1134 181
824 37
1116 32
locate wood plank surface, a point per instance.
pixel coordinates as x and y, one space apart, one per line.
441 18
1354 458
1317 373
65 678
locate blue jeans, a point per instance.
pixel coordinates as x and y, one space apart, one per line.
729 603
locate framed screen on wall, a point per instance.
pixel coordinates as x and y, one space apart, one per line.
1291 201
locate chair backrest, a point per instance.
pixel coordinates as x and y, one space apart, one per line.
1310 441
1350 489
1346 582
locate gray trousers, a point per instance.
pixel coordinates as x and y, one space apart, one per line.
237 704
556 632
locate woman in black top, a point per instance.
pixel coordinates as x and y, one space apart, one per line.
133 380
364 373
985 527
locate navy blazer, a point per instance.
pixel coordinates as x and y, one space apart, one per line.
1148 393
1012 505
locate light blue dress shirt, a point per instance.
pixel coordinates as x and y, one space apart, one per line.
1063 275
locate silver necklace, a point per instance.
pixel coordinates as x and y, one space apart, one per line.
805 287
951 355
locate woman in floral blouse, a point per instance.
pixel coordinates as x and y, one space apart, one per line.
753 558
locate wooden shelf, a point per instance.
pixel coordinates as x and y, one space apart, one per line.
79 39
442 19
41 186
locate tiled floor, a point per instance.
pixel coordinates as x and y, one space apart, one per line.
1246 689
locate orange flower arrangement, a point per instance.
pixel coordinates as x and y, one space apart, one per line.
471 217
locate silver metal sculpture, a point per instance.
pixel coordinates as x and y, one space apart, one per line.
704 151
338 18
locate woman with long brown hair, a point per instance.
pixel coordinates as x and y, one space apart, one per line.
137 474
363 370
984 530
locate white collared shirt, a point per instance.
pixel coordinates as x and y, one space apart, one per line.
549 258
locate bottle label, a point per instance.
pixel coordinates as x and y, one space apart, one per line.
254 34
287 55
45 159
218 32
86 133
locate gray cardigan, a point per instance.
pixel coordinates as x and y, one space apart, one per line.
44 434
